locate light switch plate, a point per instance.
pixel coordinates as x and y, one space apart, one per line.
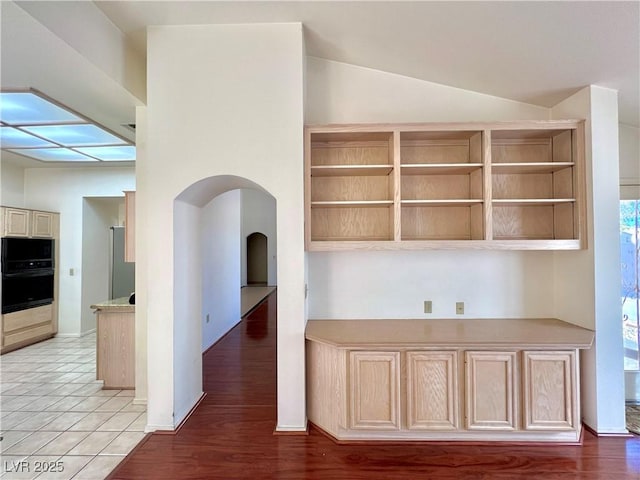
459 308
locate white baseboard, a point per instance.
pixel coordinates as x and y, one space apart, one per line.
88 332
139 401
68 335
152 428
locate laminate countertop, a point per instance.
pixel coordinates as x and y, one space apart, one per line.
537 333
115 305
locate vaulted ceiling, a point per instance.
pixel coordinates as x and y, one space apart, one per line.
533 52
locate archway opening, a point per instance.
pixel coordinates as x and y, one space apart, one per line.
257 271
210 220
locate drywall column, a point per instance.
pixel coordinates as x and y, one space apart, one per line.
223 100
588 282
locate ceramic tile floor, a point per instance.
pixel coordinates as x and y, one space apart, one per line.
56 421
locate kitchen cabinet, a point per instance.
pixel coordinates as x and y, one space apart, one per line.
20 222
446 380
115 359
30 325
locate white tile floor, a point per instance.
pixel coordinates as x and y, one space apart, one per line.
55 419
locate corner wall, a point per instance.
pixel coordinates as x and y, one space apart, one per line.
230 86
588 281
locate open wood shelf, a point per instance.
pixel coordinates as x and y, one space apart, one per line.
492 185
439 168
350 170
352 204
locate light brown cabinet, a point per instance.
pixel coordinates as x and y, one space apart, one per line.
432 390
20 222
492 392
550 390
25 327
496 185
115 360
374 389
445 379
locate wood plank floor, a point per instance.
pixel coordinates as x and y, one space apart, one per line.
230 435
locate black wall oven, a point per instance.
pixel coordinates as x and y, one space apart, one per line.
27 273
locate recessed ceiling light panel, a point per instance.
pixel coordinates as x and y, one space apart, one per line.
75 135
111 154
35 126
14 138
25 108
53 154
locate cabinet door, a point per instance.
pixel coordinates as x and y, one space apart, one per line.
130 227
374 390
491 390
550 395
16 222
42 224
432 390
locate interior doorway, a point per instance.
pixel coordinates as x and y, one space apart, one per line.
257 270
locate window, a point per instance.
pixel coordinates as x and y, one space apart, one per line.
630 291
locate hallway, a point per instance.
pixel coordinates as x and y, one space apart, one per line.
230 435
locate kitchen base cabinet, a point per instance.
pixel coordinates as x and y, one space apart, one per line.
28 326
115 359
445 380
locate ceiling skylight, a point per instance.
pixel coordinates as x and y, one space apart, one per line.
34 126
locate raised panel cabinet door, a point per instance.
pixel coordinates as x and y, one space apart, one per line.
16 222
374 390
42 224
491 390
432 390
550 393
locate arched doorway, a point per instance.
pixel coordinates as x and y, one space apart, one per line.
208 231
257 270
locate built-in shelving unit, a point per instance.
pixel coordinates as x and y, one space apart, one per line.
501 185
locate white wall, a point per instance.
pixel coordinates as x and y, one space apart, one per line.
629 154
232 84
187 341
343 93
11 185
259 215
395 284
221 241
63 190
98 215
588 282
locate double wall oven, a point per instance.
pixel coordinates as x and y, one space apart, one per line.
27 273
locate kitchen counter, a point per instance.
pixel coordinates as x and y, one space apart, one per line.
116 343
117 304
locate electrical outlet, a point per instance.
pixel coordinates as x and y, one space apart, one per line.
207 318
427 306
459 308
